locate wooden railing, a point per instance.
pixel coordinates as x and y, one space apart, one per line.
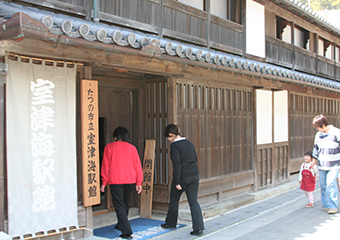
166 18
285 54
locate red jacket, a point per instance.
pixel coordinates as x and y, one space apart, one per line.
121 164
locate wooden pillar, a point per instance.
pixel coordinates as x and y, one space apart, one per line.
273 145
316 49
288 150
311 42
172 118
243 6
334 58
161 7
87 74
208 10
255 188
3 189
293 45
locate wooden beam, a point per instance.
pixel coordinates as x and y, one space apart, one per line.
172 118
3 189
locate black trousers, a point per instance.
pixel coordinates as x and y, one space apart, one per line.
120 200
189 185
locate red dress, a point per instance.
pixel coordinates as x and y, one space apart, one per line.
308 180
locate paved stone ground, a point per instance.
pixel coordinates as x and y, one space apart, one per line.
281 217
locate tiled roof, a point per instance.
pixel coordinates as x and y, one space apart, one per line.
316 15
109 34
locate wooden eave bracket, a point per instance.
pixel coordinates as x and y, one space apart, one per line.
20 25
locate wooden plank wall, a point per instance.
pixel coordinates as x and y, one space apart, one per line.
279 52
281 162
282 53
155 121
305 61
302 110
218 120
264 165
137 10
176 20
272 164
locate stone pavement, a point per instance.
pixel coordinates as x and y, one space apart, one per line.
283 216
274 213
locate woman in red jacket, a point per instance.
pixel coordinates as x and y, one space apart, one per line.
121 169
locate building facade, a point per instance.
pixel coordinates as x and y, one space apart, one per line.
242 79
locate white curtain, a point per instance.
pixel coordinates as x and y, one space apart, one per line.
41 147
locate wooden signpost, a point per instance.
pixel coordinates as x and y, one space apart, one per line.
90 142
148 172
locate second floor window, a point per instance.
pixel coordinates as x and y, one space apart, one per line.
301 37
325 48
227 9
283 30
194 3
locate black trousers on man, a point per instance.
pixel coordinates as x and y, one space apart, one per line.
120 200
189 185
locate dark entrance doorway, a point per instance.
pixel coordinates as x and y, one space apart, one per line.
118 106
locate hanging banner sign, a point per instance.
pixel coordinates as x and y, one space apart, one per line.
41 147
90 142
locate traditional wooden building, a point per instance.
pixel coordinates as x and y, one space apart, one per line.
242 78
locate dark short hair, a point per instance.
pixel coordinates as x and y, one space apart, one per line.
121 133
171 128
309 153
319 121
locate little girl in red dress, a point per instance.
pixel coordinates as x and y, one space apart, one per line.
307 177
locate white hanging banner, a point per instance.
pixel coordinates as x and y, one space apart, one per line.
41 147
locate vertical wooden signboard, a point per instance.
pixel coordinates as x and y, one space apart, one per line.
90 142
147 185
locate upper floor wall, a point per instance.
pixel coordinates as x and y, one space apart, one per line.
266 29
296 43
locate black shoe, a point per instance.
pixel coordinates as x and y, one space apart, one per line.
164 225
196 232
126 236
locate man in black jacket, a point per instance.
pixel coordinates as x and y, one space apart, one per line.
185 178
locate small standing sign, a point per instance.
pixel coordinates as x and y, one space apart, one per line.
148 172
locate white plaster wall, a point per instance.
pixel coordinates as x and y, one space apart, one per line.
328 53
287 34
194 3
281 116
299 38
264 122
255 27
219 8
321 47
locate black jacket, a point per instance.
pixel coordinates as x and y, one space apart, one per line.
184 159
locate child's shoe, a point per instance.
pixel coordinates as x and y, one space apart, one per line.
310 205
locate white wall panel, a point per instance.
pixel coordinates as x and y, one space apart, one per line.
281 116
264 123
255 26
219 8
194 3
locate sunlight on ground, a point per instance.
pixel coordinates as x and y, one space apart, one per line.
329 229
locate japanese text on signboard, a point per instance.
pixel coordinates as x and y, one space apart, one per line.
90 142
